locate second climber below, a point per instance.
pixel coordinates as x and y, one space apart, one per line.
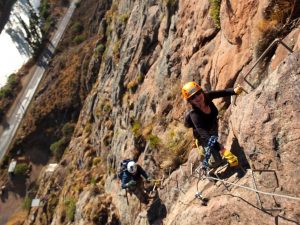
203 119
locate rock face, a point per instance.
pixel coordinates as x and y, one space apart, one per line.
266 122
134 110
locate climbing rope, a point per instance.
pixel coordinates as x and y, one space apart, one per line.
252 189
202 177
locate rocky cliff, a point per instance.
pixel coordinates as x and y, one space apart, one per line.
128 92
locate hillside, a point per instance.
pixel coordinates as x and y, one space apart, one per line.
117 78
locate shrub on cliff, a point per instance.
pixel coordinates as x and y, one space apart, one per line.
12 83
27 203
214 12
77 28
58 148
68 130
70 209
136 128
153 140
79 38
273 23
21 169
8 93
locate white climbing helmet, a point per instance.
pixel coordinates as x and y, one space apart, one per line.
131 167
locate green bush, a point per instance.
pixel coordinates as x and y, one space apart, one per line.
93 181
44 9
124 18
153 140
70 209
107 107
21 169
49 22
79 38
58 148
136 128
6 92
116 49
27 203
214 11
9 88
100 48
5 161
77 28
96 161
88 128
68 130
13 80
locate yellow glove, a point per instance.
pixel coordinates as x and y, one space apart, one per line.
238 90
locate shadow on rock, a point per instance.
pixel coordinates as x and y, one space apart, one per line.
237 150
157 212
38 155
229 171
141 195
18 185
4 195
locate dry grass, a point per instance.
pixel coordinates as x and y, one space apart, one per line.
96 160
132 86
177 145
116 50
88 128
17 218
103 107
282 11
147 130
125 99
175 87
272 24
136 128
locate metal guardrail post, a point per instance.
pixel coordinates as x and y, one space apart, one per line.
276 41
257 194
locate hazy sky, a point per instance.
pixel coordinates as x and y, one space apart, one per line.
11 59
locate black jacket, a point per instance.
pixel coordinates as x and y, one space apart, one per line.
205 125
126 176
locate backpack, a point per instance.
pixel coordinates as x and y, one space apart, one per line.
123 167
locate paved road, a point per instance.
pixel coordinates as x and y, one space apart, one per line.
16 117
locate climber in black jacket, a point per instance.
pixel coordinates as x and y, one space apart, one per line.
203 119
131 175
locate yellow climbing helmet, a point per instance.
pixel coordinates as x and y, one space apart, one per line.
189 89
